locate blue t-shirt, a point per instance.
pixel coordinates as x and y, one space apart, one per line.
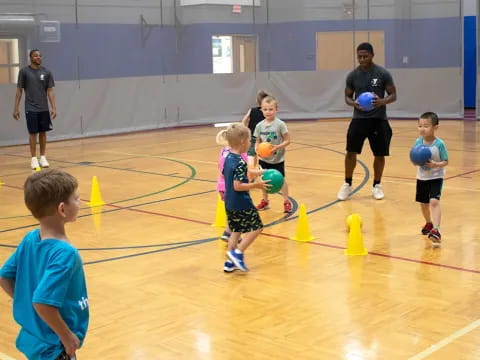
49 272
235 168
439 153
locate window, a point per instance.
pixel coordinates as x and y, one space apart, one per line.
9 61
234 54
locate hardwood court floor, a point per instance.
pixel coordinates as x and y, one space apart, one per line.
154 263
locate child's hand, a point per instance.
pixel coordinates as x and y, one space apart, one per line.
275 148
71 343
431 164
262 184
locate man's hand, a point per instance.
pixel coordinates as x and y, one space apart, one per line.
16 114
53 113
377 101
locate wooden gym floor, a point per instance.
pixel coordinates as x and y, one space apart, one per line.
154 262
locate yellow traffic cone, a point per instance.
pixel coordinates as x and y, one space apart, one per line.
220 214
349 221
97 216
355 239
95 196
303 228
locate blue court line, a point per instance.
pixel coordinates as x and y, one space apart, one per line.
355 190
202 241
186 179
116 209
195 242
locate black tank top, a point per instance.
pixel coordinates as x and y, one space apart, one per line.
256 115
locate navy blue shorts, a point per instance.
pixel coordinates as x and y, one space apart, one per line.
378 132
38 122
279 166
428 189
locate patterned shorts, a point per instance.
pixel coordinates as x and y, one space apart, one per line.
244 221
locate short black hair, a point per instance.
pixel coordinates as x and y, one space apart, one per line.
366 46
432 116
32 51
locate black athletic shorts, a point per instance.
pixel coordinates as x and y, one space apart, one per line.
378 132
38 122
244 221
64 356
279 166
428 189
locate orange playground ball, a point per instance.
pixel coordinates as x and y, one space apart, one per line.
264 150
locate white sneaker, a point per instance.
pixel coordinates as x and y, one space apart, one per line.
43 162
377 192
34 163
344 192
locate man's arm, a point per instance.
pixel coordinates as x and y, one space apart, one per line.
51 316
390 98
349 99
8 285
53 106
16 106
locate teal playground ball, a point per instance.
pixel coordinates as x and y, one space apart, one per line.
276 180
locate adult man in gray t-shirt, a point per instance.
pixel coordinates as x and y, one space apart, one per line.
38 84
368 123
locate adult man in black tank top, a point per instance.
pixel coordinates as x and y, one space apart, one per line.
373 124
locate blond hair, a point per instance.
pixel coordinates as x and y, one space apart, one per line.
261 94
237 133
221 138
269 99
44 190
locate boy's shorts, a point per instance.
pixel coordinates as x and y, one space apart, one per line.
244 221
64 356
428 189
279 166
378 132
38 122
251 149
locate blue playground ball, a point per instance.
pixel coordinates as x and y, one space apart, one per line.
365 101
420 155
276 180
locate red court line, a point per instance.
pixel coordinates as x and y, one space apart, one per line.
465 173
388 256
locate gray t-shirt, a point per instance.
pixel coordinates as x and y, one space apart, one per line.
272 133
375 80
35 82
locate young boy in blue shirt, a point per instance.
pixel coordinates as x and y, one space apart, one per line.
242 215
44 275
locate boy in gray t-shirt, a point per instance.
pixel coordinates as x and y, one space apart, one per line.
274 131
38 84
